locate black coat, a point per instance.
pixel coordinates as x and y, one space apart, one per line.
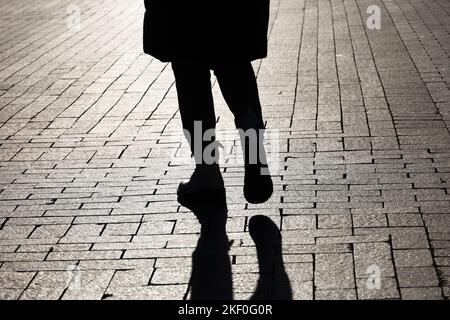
211 30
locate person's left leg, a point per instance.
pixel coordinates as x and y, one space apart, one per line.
238 84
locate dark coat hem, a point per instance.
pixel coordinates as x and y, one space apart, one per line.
206 30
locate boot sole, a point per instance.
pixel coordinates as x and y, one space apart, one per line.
258 198
258 193
203 196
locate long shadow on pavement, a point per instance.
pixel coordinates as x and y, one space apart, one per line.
211 277
273 280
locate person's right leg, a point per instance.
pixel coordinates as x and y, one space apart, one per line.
197 115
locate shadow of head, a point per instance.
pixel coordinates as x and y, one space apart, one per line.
273 282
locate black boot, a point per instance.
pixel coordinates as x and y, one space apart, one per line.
258 185
206 183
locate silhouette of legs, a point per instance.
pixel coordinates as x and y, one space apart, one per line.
239 87
273 283
238 84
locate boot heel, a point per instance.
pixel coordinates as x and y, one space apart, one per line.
258 187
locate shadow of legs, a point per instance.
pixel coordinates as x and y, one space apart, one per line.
211 277
211 266
273 283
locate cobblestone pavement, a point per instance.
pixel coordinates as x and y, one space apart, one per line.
91 153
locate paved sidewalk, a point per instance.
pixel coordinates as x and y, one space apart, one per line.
91 153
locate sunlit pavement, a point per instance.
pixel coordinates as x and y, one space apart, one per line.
357 101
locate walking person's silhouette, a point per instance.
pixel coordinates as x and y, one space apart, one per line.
224 36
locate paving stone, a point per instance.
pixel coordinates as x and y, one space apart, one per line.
47 231
84 255
405 220
369 220
413 258
301 290
422 293
85 230
123 264
156 227
168 292
334 221
121 229
302 222
87 285
334 271
417 277
15 280
37 266
10 294
131 278
409 238
338 294
388 290
171 276
47 285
